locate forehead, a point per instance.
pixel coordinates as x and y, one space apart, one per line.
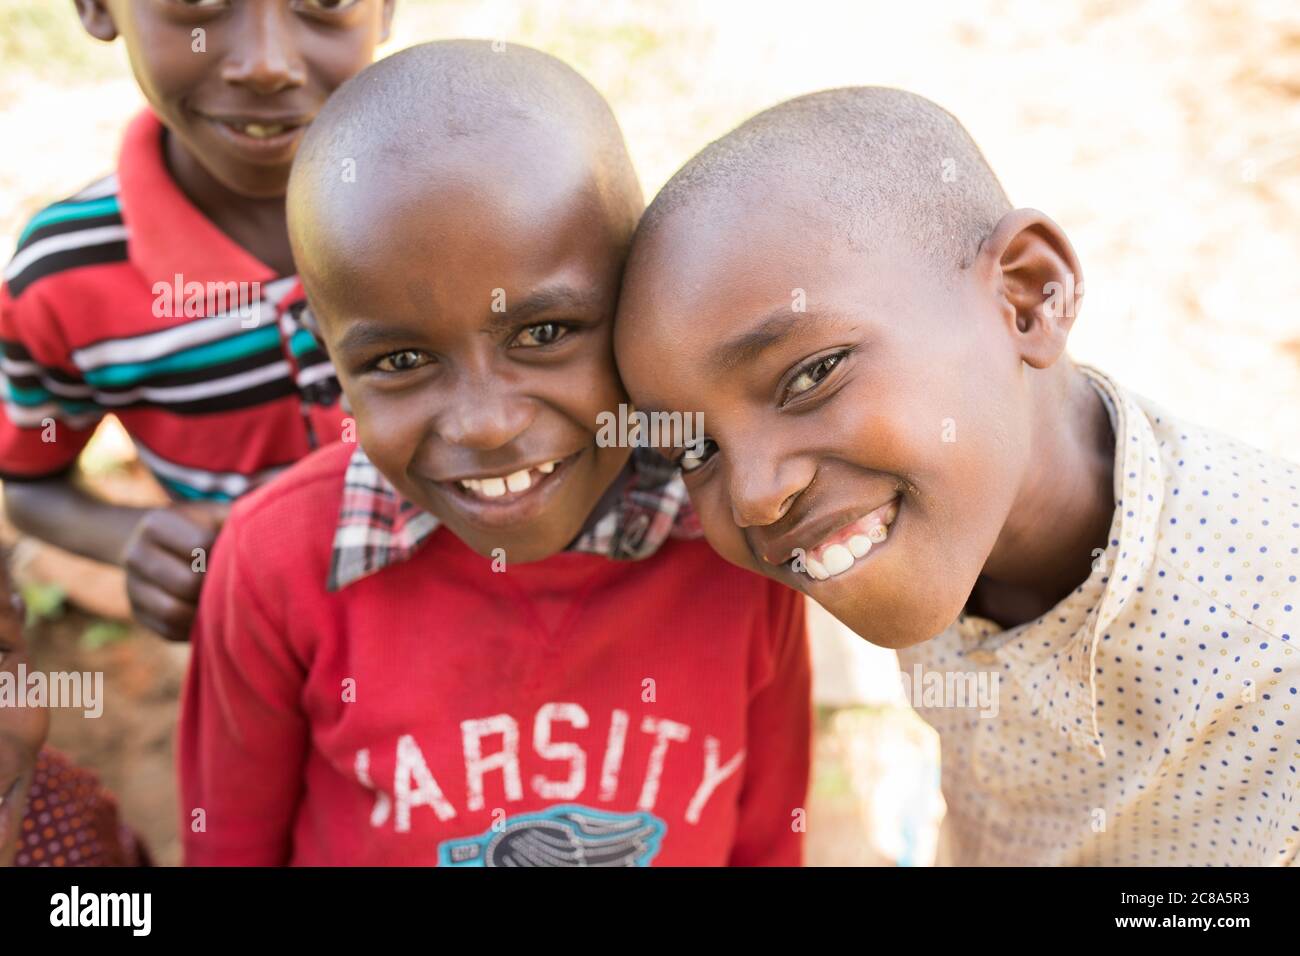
715 267
475 220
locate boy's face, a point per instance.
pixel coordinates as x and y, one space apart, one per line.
22 729
470 325
237 81
882 430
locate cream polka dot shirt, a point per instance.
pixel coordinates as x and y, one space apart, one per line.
1152 717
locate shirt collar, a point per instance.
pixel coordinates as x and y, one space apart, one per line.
167 234
377 527
1117 573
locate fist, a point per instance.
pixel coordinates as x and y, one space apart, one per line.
166 560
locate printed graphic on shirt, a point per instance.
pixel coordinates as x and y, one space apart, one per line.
567 835
638 759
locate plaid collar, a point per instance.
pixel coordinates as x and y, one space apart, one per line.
377 527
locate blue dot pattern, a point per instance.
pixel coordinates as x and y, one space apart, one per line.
1153 716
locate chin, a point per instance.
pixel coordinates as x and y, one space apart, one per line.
897 631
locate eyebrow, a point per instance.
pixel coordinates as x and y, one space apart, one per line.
366 334
564 298
775 327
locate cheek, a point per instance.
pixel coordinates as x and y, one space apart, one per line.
163 62
334 60
720 528
604 391
389 427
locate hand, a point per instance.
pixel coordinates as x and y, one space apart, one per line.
160 559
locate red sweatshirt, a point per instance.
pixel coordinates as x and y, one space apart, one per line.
575 711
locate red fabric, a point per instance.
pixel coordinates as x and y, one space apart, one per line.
81 306
168 233
72 821
299 701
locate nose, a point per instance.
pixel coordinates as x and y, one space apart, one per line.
268 60
762 495
484 416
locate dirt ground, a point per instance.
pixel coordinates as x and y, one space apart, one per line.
1163 135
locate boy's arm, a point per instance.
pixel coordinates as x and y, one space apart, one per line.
243 736
57 511
48 413
164 550
769 831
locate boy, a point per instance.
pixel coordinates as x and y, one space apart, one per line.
894 428
396 661
165 293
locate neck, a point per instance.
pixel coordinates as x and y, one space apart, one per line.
1064 509
259 225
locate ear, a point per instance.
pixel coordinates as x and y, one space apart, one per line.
97 19
1041 283
386 25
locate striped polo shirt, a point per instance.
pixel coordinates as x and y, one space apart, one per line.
126 299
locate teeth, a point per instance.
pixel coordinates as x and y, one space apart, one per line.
263 130
515 483
837 559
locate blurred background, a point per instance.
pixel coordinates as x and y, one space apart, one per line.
1164 136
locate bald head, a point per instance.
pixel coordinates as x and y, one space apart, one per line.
881 161
426 117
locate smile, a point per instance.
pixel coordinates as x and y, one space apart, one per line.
508 500
850 544
259 135
512 485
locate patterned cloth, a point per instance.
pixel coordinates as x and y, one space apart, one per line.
1152 717
126 299
72 821
377 527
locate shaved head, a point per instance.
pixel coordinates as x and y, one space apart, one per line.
882 161
427 112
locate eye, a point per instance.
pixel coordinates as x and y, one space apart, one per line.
811 375
329 6
697 456
544 333
404 361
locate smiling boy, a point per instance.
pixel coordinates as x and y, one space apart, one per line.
164 294
416 650
876 340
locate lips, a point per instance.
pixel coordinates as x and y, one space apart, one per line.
514 483
263 136
846 546
509 498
